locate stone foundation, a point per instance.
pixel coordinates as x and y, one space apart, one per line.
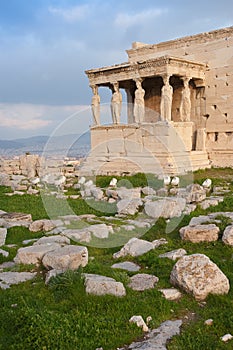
159 148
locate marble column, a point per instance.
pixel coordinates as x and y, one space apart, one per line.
95 105
116 103
139 103
185 105
166 100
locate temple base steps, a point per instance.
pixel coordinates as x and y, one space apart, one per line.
159 164
221 158
199 160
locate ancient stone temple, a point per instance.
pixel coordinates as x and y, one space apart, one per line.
179 107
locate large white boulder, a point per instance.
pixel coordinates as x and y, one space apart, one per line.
200 233
134 247
227 237
198 275
70 257
34 254
195 193
166 208
42 225
129 193
101 285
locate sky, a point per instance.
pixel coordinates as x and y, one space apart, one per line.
46 45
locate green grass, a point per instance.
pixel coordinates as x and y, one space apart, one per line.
138 180
62 316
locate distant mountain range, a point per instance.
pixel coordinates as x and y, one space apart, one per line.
72 145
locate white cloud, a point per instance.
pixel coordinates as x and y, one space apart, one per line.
71 14
126 20
33 117
21 116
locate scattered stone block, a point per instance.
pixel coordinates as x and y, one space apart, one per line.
129 207
209 322
102 285
3 233
174 254
226 337
62 240
200 233
198 275
97 193
195 193
199 220
78 235
166 208
126 193
158 242
69 257
142 281
148 191
9 278
158 338
42 225
113 182
4 253
14 217
126 265
171 293
139 322
227 237
211 201
34 254
134 247
100 230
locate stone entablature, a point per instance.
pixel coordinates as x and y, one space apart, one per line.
148 68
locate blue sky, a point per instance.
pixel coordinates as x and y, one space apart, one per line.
45 46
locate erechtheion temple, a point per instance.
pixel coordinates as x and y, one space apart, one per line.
179 107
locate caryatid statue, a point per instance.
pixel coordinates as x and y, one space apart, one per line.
116 104
139 103
95 105
185 106
166 100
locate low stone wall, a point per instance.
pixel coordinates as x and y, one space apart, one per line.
32 165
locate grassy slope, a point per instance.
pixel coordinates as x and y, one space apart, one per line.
62 316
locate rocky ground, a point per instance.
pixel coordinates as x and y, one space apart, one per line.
65 242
